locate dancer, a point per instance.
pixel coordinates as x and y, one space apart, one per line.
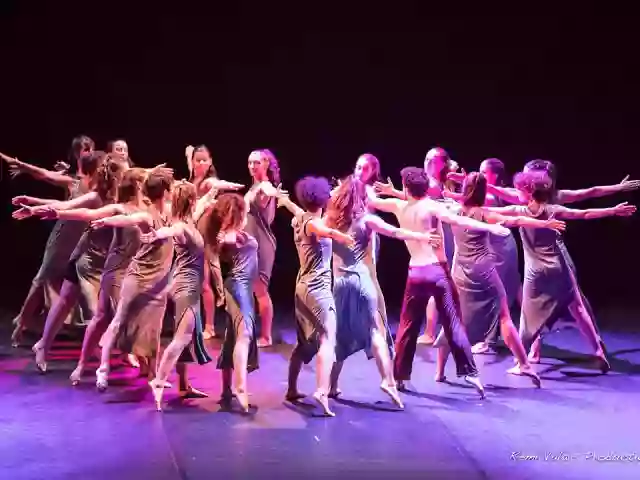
120 149
204 177
429 277
263 167
359 327
86 263
229 242
437 165
186 291
137 322
315 308
483 299
550 286
45 287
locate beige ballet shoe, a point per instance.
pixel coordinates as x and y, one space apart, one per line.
322 399
526 372
41 358
475 383
393 394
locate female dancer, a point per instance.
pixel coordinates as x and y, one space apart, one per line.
45 287
137 322
354 291
438 165
550 286
123 247
314 305
204 177
186 290
482 294
228 241
263 167
120 149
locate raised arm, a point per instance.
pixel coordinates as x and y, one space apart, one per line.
286 202
318 227
17 167
522 221
388 189
389 205
621 210
378 225
140 219
204 203
572 196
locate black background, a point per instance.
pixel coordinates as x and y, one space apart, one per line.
320 87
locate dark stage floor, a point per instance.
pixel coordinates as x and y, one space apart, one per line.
50 430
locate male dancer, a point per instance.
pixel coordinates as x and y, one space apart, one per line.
428 277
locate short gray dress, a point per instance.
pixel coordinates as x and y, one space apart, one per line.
315 309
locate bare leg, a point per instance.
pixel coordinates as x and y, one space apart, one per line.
92 335
240 361
295 366
324 362
441 362
429 335
585 324
208 303
385 367
336 369
55 321
513 342
265 310
32 304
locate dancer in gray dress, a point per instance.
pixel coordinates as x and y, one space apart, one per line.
229 242
354 292
187 344
45 287
264 169
550 286
483 299
137 322
87 261
315 309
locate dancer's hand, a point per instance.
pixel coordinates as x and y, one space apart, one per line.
626 184
149 237
557 225
230 238
434 238
99 223
498 229
13 164
25 211
22 200
269 190
218 184
45 212
624 210
457 177
162 168
383 188
61 167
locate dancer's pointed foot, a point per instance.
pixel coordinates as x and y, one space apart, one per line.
322 399
604 364
41 357
243 400
133 361
440 378
526 372
16 336
157 388
534 352
475 383
102 380
335 392
192 392
76 375
294 395
426 340
392 391
265 342
481 348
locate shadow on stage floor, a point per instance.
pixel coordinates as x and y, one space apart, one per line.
54 431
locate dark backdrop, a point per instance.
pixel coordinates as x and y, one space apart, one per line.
319 88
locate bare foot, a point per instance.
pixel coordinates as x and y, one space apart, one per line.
322 399
265 342
41 358
16 336
76 375
102 381
294 396
191 392
526 372
393 393
480 349
243 400
475 383
426 340
335 393
440 378
208 334
133 361
534 352
158 390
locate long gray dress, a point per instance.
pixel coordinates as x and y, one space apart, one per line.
259 223
143 296
315 309
550 284
186 290
238 289
477 280
355 295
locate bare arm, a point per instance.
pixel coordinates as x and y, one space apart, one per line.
89 214
139 219
389 205
383 228
572 196
621 210
55 178
84 201
522 221
318 227
176 231
465 222
286 202
508 211
507 194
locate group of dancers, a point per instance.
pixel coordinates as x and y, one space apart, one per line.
129 241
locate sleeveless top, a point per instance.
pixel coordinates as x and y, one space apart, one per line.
124 246
260 218
350 258
542 246
472 245
314 254
243 260
189 263
153 260
67 233
93 246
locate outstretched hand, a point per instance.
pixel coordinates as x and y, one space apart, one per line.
624 209
149 237
384 188
227 238
627 184
269 190
25 211
557 225
434 238
162 168
99 223
61 167
457 177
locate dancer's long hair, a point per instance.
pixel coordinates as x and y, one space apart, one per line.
497 166
474 190
211 171
373 161
131 184
183 200
347 204
80 145
273 167
108 176
228 213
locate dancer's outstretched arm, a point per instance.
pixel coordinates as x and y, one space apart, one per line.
491 216
90 214
176 231
387 188
45 207
445 215
378 225
389 205
572 196
621 210
286 202
140 219
16 167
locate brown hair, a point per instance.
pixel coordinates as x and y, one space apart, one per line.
228 213
130 184
347 204
183 199
474 190
107 176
